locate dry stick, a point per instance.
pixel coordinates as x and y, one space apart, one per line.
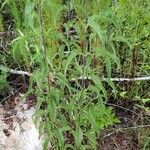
122 108
127 128
15 71
80 78
113 79
4 34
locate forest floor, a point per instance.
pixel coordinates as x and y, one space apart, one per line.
132 132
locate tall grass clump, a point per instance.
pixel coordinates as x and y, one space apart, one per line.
62 44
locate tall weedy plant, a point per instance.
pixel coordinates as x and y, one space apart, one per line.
72 111
61 44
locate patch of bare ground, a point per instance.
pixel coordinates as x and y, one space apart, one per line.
133 131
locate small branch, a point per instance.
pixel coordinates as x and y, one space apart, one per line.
80 78
9 34
114 79
135 127
122 108
128 79
15 71
126 128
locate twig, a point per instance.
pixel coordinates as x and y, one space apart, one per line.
135 127
128 79
2 100
127 128
122 108
7 34
114 79
80 78
15 71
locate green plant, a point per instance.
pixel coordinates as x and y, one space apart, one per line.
107 41
3 82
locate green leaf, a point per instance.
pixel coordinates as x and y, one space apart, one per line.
69 60
123 94
60 137
99 85
78 135
122 39
96 28
62 79
52 110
